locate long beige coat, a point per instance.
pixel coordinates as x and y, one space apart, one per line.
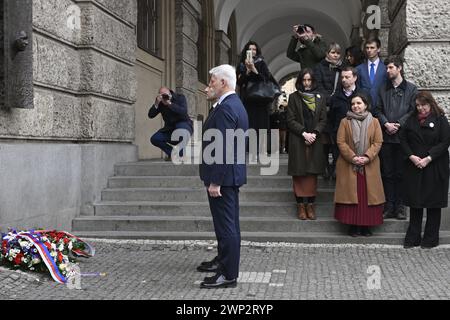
346 185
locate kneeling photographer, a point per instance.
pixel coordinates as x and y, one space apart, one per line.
173 108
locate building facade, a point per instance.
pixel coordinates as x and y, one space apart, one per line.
77 79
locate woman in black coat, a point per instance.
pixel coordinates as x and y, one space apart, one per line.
254 70
425 139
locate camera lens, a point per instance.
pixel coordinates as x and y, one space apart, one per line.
165 96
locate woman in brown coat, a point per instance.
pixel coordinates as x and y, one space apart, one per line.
306 120
359 194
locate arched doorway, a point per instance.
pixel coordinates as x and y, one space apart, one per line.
270 24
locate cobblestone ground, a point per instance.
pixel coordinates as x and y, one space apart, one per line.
155 270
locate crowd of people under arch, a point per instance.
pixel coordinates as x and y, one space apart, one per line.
388 142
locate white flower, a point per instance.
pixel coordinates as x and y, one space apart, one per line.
53 254
36 261
61 247
62 267
70 246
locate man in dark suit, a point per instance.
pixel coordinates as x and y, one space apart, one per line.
340 104
223 173
372 73
173 108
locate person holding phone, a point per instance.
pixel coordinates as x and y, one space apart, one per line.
312 49
253 68
173 108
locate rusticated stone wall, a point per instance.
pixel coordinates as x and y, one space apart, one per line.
2 84
421 33
84 78
187 15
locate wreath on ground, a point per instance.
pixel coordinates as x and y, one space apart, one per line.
43 251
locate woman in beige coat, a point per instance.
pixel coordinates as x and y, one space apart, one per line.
359 194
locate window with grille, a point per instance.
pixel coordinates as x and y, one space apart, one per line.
149 26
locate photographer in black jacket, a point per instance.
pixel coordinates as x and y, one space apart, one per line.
173 108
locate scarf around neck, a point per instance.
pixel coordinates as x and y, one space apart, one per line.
360 125
309 99
422 117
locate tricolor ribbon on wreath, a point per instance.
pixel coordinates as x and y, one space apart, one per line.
34 237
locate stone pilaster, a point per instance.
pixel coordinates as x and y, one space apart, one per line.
187 14
223 46
383 33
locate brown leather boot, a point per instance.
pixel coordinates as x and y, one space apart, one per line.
310 212
302 211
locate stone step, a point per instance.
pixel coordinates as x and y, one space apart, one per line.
261 237
195 182
247 209
204 224
148 168
199 195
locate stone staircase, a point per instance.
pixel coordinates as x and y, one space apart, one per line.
158 200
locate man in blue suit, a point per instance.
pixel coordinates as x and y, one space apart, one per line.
372 73
223 173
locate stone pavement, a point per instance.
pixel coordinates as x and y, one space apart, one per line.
163 270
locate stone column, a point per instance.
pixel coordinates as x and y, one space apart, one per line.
223 46
187 14
420 32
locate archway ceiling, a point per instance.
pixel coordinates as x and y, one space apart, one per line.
269 23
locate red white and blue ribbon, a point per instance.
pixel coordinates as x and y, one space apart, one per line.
45 256
90 250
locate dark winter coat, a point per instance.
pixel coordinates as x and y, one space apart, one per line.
244 78
340 104
310 54
428 187
395 105
299 165
326 79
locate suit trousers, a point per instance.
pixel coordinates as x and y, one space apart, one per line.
162 137
431 234
225 214
391 156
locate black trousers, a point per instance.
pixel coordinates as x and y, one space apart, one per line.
391 157
431 234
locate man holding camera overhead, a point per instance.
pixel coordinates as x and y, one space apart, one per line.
312 48
173 108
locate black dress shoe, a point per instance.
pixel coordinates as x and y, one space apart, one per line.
409 246
389 211
353 231
401 212
211 267
427 247
218 281
215 260
365 231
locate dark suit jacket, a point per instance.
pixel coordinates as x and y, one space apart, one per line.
177 112
230 114
364 80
